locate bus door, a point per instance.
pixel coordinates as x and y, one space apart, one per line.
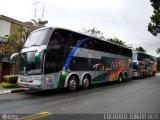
55 56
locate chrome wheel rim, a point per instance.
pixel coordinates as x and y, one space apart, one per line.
120 78
72 84
85 83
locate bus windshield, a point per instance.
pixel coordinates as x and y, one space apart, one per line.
28 66
134 56
38 38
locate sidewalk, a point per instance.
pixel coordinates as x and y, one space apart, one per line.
158 73
11 90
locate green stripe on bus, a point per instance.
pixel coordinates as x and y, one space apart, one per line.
62 79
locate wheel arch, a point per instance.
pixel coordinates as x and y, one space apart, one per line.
120 73
86 73
125 73
125 76
68 76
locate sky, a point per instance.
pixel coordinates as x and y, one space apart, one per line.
125 19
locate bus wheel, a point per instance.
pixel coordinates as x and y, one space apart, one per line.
120 78
125 77
140 75
86 82
72 83
154 73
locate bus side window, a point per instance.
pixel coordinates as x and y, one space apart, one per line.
85 45
95 43
56 51
76 38
56 38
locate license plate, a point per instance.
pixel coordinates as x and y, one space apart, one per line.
24 85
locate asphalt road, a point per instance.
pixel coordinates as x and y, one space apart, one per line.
133 96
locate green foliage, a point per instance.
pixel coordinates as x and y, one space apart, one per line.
12 79
94 33
158 50
9 85
117 41
39 22
99 34
1 55
11 44
158 64
154 25
141 49
14 42
42 22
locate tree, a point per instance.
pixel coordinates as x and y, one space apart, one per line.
154 25
158 50
141 49
14 42
39 23
117 41
1 55
99 34
94 33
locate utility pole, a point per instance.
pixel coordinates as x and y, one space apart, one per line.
43 10
35 4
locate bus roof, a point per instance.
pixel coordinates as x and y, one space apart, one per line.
81 34
135 51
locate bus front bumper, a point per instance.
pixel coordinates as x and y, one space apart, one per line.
35 85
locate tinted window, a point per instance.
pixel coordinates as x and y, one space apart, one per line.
94 44
135 65
140 57
89 44
99 45
56 51
76 38
87 63
110 48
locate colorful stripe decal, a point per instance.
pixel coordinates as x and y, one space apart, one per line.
114 73
72 52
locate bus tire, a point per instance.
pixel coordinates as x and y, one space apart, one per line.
125 77
140 76
154 73
73 83
120 78
86 82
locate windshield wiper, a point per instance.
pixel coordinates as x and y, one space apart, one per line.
31 46
34 45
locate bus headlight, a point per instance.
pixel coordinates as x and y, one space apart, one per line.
36 81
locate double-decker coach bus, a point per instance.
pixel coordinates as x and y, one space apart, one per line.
143 64
54 58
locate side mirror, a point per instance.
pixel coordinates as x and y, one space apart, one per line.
13 57
37 55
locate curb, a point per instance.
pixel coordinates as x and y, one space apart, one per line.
18 90
13 91
5 92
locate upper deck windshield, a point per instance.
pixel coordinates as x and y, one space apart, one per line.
134 56
38 38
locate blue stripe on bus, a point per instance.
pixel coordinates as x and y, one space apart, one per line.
70 56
